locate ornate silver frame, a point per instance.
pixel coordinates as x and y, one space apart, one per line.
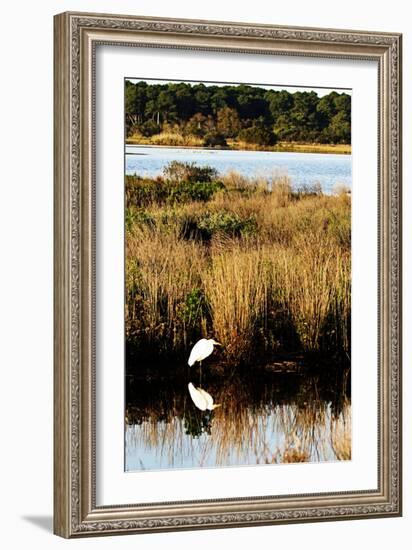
75 511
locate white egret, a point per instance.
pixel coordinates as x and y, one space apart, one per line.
202 349
201 398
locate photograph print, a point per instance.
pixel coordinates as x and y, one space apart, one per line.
237 274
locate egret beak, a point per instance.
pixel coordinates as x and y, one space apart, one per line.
217 343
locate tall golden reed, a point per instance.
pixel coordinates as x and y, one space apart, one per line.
289 265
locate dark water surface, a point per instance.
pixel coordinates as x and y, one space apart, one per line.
264 418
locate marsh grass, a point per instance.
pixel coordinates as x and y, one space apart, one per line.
170 138
251 262
167 138
161 272
236 284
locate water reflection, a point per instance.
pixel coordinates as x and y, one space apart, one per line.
266 418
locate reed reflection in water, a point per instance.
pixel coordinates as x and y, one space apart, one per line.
266 419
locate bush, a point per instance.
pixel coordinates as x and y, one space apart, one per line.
137 216
197 125
214 139
258 135
198 191
313 189
229 223
141 192
144 191
149 128
194 307
188 172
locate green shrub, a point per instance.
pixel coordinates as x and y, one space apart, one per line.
137 216
188 172
229 223
259 135
141 192
214 139
197 191
149 128
144 191
194 307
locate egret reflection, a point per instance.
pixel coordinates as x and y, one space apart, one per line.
201 398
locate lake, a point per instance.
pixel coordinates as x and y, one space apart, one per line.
302 168
266 418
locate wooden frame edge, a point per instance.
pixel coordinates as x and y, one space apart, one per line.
61 382
72 477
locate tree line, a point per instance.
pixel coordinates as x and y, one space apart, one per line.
242 113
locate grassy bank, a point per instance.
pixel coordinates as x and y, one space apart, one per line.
168 139
261 271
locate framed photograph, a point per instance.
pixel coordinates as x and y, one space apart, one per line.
227 274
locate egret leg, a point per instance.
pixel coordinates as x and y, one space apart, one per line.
200 377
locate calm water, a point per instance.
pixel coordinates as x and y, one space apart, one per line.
302 168
266 419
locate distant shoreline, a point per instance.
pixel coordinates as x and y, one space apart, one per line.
281 147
